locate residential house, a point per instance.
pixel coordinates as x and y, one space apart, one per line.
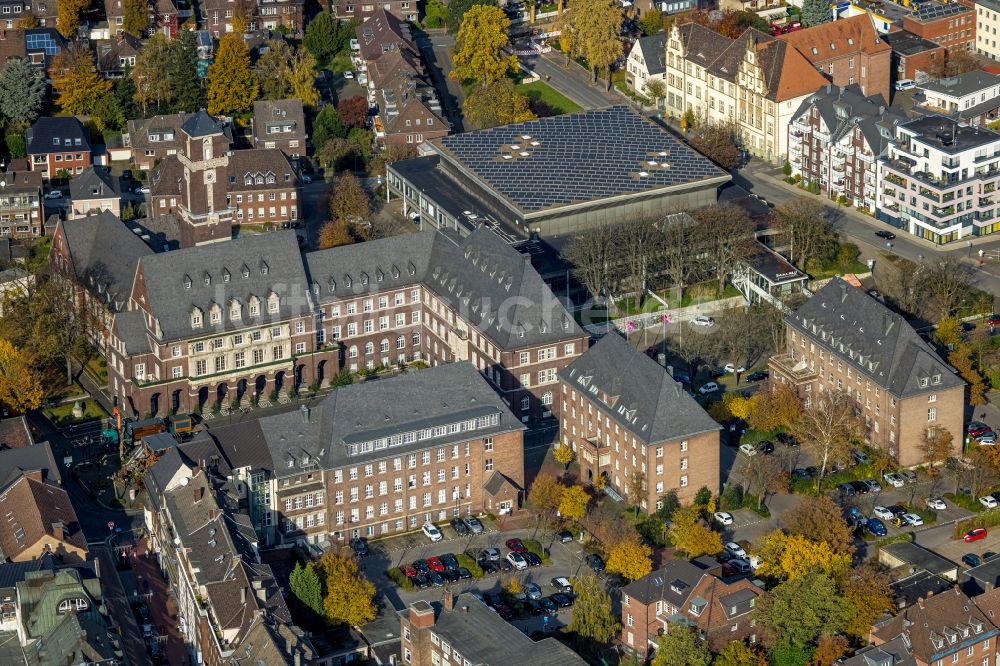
848 52
646 62
94 191
950 24
154 139
844 340
661 436
14 430
382 33
913 57
835 140
944 628
466 629
973 96
280 124
21 210
755 81
41 521
895 652
409 111
42 45
117 55
12 12
404 10
57 145
987 22
938 180
263 15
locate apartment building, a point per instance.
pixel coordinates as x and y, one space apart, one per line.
409 111
627 419
848 52
755 81
260 15
943 628
164 16
692 594
94 191
646 62
57 145
987 22
844 340
974 97
913 57
938 180
21 211
404 10
951 24
836 138
280 124
464 630
383 457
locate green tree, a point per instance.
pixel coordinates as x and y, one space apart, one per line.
435 14
669 504
496 104
789 653
272 70
77 80
594 25
15 144
107 114
307 587
801 609
457 10
182 70
350 597
22 91
681 646
136 17
816 12
151 74
322 38
327 126
232 87
124 91
478 54
592 616
651 22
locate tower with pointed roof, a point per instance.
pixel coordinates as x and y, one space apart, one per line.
205 213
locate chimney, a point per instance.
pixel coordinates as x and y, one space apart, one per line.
421 615
449 600
243 596
195 471
843 291
57 531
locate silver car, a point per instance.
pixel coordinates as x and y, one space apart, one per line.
533 591
473 524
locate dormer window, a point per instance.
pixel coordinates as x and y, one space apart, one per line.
270 180
291 463
187 282
263 268
248 181
260 180
225 275
254 306
215 314
196 318
235 312
923 382
68 605
936 379
272 303
208 279
55 141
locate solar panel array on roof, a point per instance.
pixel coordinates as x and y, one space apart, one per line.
928 11
41 42
578 157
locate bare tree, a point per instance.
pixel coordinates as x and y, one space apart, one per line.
827 427
980 476
677 261
936 444
809 232
764 474
947 281
746 334
640 243
725 235
593 254
901 281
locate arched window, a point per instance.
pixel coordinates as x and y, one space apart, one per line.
352 352
369 348
525 402
400 342
383 346
547 398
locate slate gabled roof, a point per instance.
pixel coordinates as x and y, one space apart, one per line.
94 183
202 124
654 52
875 339
844 108
43 134
643 397
927 624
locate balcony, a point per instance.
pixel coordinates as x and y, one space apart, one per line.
930 194
947 211
795 370
985 158
894 179
379 128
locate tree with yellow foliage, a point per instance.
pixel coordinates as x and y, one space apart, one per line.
76 79
20 386
775 406
479 53
741 406
350 597
690 534
630 558
232 86
867 587
573 503
563 454
68 16
791 556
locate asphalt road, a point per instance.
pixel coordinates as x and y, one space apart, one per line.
117 603
571 80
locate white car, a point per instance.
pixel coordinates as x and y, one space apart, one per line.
731 368
703 320
431 531
748 449
936 503
988 502
882 513
723 517
912 519
905 84
517 560
355 45
894 480
348 74
710 387
736 549
54 194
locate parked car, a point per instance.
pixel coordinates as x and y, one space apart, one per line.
492 554
407 570
53 194
988 555
757 376
740 565
562 584
909 475
359 546
731 368
533 591
703 320
348 74
504 611
450 575
431 531
894 480
549 606
487 567
860 487
988 502
987 438
435 564
905 84
436 579
859 456
846 490
723 517
449 561
786 439
993 320
533 607
887 235
936 503
532 559
562 600
493 599
473 524
854 517
682 379
765 447
595 562
708 387
876 527
975 535
516 546
420 581
912 519
421 566
897 510
464 573
736 549
517 560
565 536
505 566
459 527
883 513
873 485
971 559
976 428
748 449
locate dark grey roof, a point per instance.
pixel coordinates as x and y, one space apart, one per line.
654 52
485 638
104 253
895 652
242 444
576 158
912 554
495 483
963 84
26 459
94 183
845 108
918 585
673 582
948 135
270 262
371 410
77 639
480 276
67 130
877 341
773 266
906 43
738 597
130 327
12 573
202 124
160 474
987 573
641 395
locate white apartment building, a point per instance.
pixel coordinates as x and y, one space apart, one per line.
987 23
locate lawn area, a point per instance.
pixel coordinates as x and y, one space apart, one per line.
831 268
97 368
62 415
539 91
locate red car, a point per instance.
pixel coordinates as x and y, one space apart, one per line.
505 611
516 546
975 430
993 321
975 535
408 571
435 564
